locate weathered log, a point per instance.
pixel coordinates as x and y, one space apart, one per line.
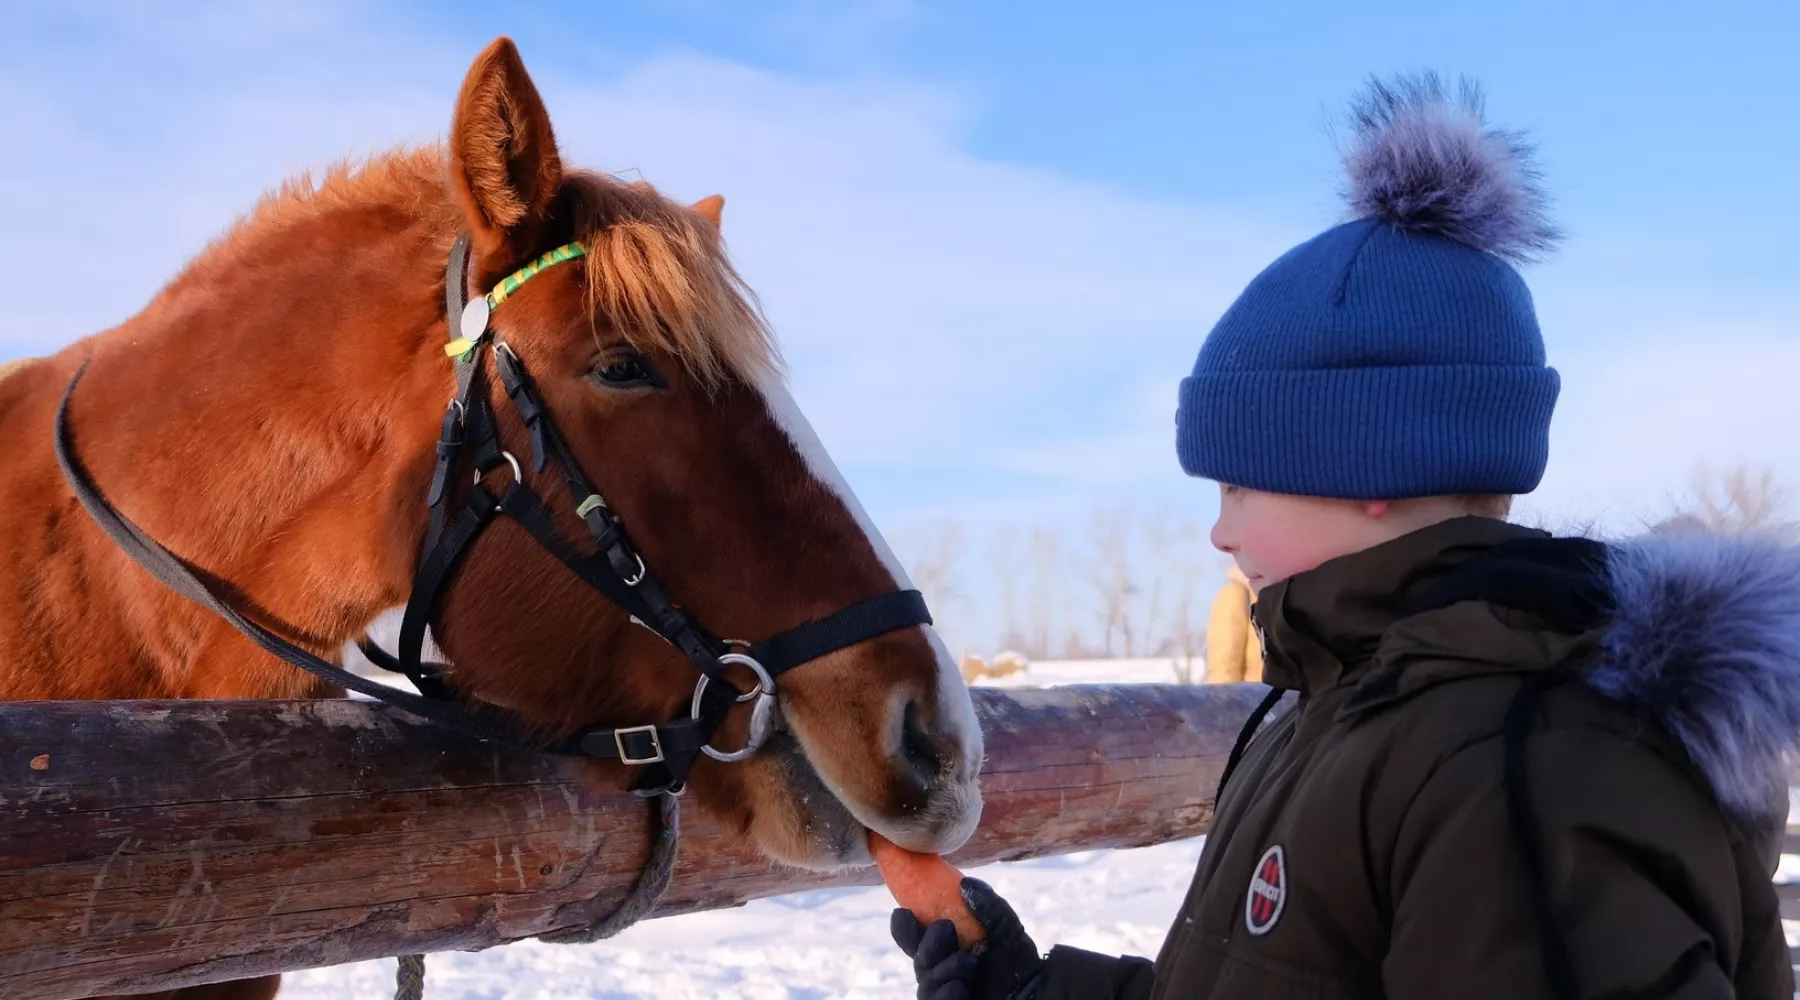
147 845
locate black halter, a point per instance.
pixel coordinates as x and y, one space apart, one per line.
614 568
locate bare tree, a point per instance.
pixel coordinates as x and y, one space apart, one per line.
1739 498
1043 593
1160 566
1148 575
1141 585
1109 573
1003 559
933 555
1075 647
1192 578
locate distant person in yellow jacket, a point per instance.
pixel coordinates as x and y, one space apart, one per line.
1232 651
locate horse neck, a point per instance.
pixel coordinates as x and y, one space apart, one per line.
270 419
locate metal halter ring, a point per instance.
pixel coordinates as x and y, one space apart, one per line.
761 716
518 474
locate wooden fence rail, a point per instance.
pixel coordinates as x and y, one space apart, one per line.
149 845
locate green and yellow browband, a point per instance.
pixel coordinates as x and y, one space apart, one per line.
475 314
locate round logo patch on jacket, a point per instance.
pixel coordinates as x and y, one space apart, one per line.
1268 892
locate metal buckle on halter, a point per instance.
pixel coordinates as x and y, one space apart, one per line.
762 719
625 756
638 577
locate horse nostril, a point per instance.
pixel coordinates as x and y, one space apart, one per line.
919 747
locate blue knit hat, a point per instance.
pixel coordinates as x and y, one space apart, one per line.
1396 355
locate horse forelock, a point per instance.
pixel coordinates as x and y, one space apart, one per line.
656 270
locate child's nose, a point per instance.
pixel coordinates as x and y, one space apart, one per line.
1221 539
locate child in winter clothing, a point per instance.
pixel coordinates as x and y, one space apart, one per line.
1515 765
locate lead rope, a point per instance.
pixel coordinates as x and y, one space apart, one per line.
653 881
409 980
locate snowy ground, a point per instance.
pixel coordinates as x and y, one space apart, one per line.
833 943
809 946
1055 673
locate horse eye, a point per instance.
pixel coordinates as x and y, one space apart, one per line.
626 370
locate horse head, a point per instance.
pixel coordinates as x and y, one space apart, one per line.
294 378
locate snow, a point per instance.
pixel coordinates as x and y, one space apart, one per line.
808 946
1056 673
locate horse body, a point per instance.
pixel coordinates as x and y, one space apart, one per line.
271 417
264 452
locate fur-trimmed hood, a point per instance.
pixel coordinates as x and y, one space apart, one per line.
1704 643
1504 736
1698 633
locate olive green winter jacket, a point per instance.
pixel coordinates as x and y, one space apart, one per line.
1513 767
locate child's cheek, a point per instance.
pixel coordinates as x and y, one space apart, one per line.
1263 549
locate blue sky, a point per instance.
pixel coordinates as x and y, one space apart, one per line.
992 242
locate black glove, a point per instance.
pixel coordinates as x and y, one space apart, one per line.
1003 966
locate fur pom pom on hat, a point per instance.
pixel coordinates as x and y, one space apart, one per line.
1425 161
1398 354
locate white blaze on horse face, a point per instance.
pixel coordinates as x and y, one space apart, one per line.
957 709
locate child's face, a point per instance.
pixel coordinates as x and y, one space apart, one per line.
1273 536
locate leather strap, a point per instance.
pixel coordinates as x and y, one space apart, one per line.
856 623
178 576
672 745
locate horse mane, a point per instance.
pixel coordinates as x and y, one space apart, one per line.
655 268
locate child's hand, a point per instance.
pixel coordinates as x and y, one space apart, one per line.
1003 965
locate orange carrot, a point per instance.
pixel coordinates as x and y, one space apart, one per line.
927 885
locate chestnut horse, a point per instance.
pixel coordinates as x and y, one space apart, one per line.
271 418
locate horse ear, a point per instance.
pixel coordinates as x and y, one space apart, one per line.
712 208
503 161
